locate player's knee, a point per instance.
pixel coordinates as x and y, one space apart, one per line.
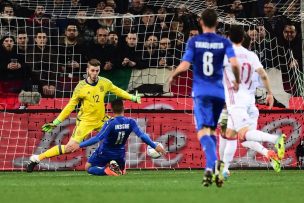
203 132
230 134
242 134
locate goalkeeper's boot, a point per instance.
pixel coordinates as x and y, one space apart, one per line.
113 169
34 161
280 146
219 178
207 179
274 160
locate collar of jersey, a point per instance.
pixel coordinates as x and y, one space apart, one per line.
93 84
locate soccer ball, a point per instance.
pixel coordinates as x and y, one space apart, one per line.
152 152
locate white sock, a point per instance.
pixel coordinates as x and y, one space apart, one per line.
259 136
222 146
256 146
229 153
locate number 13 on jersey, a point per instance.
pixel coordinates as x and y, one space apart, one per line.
208 63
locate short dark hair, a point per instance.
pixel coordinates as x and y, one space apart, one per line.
247 41
21 31
236 33
113 32
40 30
71 23
94 62
7 36
209 17
117 106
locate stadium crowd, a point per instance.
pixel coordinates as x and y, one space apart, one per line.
47 53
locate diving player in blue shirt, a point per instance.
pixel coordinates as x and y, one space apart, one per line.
109 157
206 52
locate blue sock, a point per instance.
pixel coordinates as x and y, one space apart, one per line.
96 170
213 137
209 148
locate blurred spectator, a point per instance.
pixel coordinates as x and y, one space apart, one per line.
291 41
75 4
166 57
22 47
137 7
253 34
113 39
41 20
130 57
147 25
22 41
105 20
71 62
177 38
238 9
8 21
13 73
112 4
150 52
127 25
161 19
39 17
41 59
211 4
103 51
264 47
99 7
85 31
273 24
188 19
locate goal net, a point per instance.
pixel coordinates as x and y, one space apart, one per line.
60 39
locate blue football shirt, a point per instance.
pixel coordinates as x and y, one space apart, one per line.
206 53
115 134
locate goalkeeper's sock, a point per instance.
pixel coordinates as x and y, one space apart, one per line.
259 136
209 148
54 151
96 170
222 146
229 153
255 146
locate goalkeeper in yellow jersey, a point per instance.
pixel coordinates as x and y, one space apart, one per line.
91 116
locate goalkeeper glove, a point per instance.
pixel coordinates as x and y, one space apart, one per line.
136 98
48 127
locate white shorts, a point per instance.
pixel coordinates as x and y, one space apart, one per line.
253 112
242 116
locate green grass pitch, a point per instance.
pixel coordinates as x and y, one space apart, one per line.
151 186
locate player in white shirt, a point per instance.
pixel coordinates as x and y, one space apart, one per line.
242 112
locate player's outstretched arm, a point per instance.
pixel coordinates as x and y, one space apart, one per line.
186 61
97 138
125 95
182 67
48 127
263 75
73 102
145 138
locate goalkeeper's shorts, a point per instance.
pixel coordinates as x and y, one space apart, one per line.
83 129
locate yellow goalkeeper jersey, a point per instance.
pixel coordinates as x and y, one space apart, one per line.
91 97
